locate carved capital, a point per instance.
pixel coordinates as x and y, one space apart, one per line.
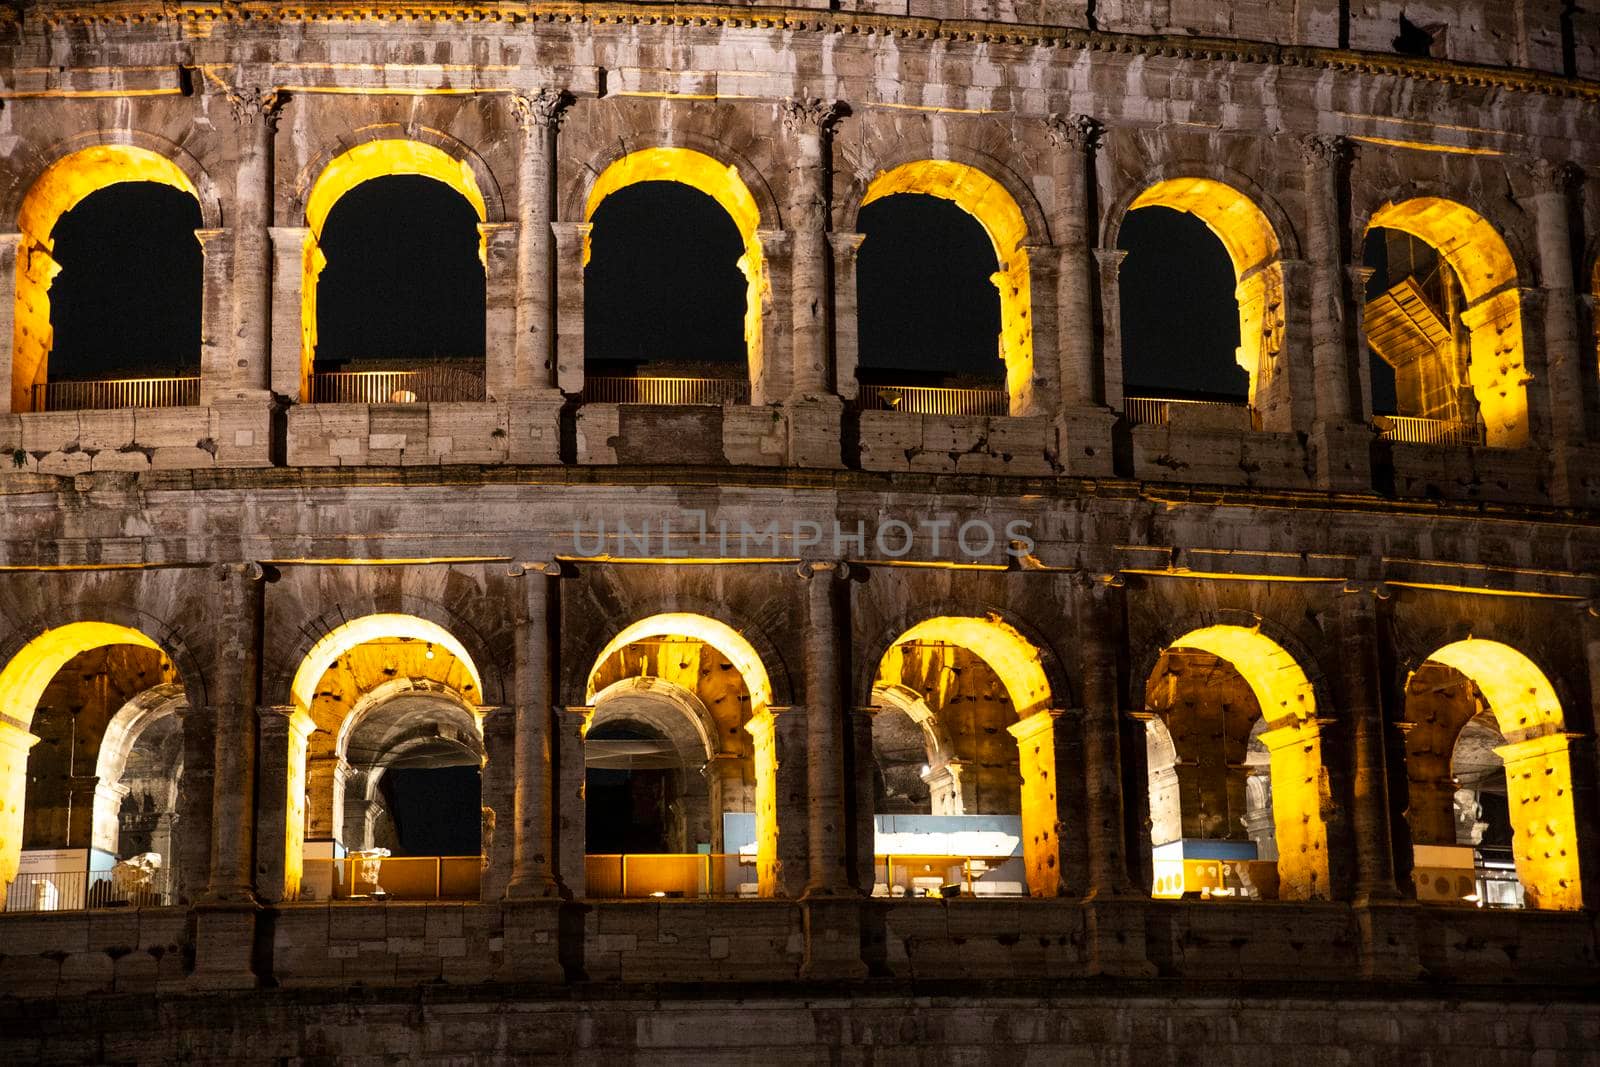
811 115
252 104
1078 132
1326 150
824 568
1551 177
543 109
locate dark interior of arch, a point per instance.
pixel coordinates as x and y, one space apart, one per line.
1394 257
626 809
927 313
130 270
663 294
403 282
436 810
1180 319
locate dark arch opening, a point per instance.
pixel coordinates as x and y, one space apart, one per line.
1180 318
663 292
628 802
928 313
403 289
127 301
436 810
1417 346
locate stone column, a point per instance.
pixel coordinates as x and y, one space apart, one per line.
15 743
499 244
290 370
1564 357
196 786
865 836
808 123
9 403
1075 138
281 805
539 113
532 869
1097 608
572 239
238 624
826 651
256 110
1361 684
220 375
846 313
498 790
81 790
1109 263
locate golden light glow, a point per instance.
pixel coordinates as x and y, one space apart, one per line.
1538 767
763 728
1483 264
1014 659
997 212
719 635
721 182
1280 686
1040 809
301 727
342 639
58 190
1252 246
22 686
372 159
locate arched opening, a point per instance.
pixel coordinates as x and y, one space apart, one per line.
1201 295
1443 322
907 226
1235 771
963 791
1489 782
673 297
108 249
681 755
385 751
928 310
137 776
59 696
392 297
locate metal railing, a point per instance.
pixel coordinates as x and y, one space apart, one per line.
1157 411
436 384
391 878
80 890
116 393
928 400
714 391
1409 430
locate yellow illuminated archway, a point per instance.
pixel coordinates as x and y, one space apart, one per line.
382 627
721 182
22 686
371 159
719 635
997 212
1014 659
1253 248
67 182
1293 741
1493 314
1538 767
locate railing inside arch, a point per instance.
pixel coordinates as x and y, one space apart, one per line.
430 385
1157 411
933 400
1409 430
627 390
115 393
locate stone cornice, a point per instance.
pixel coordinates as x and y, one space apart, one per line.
201 18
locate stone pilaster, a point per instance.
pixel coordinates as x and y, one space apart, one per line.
572 239
15 743
826 652
532 850
539 113
192 822
238 624
1098 610
809 123
1075 138
290 375
281 805
219 373
1360 685
256 110
500 243
10 399
846 312
496 793
1567 356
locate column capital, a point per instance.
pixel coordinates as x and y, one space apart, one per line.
1079 132
812 115
540 109
1110 260
254 105
550 569
1375 590
838 568
845 245
1326 150
249 571
1550 176
1099 580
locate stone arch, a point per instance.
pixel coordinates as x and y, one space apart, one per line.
381 152
122 733
988 200
1483 262
85 165
731 643
1290 731
1258 238
942 772
1538 766
688 711
347 635
723 182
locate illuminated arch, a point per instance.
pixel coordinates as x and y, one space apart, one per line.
997 211
1254 249
64 185
22 685
633 695
1015 660
396 688
1292 737
378 627
733 646
122 733
381 158
721 182
1482 262
1538 767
